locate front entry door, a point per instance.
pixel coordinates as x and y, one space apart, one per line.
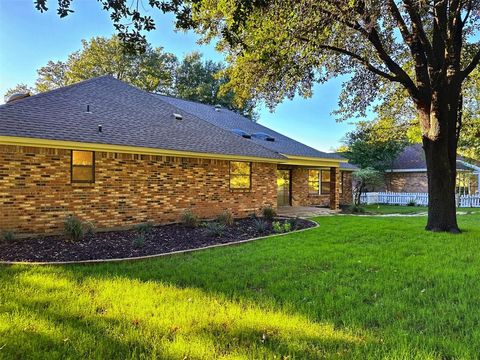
283 188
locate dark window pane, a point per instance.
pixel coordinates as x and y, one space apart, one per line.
325 188
82 173
325 175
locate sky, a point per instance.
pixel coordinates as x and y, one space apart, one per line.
29 39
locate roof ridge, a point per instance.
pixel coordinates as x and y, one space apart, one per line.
209 123
218 126
246 119
78 83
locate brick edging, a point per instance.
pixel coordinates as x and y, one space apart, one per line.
100 261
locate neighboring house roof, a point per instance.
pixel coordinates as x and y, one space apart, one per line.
412 159
348 167
229 120
132 117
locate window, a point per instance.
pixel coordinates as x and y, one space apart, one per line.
325 182
313 182
465 183
83 166
240 175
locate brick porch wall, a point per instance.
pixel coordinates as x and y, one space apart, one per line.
301 197
36 193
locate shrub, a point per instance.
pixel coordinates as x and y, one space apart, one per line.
73 228
215 228
269 213
8 236
356 209
189 219
225 218
287 227
144 228
412 203
277 227
260 225
88 227
139 241
294 222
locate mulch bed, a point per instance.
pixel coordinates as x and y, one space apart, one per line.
123 244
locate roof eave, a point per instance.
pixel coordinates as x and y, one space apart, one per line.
312 161
77 145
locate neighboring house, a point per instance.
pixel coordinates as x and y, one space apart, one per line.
115 155
409 173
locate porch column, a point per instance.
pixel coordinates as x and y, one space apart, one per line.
334 188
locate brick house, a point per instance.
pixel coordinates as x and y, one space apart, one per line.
115 155
409 173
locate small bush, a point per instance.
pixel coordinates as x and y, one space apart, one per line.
8 236
225 218
144 228
260 225
277 227
294 223
215 229
412 203
88 228
139 241
356 209
73 228
287 227
269 213
190 219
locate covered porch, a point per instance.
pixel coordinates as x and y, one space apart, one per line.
309 189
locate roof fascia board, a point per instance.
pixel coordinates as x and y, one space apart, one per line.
312 161
412 170
76 145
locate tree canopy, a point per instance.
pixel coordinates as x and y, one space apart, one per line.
152 70
370 146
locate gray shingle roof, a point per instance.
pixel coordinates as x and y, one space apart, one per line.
129 116
229 120
413 158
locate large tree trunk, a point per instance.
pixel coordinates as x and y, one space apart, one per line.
440 145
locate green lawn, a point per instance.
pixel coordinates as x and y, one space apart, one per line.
394 209
355 287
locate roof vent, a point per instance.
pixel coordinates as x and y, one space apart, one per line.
17 96
88 110
177 116
218 107
242 133
263 136
100 128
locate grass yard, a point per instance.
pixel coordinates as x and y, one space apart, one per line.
394 209
353 288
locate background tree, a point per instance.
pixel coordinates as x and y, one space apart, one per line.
364 179
20 88
152 70
201 81
373 144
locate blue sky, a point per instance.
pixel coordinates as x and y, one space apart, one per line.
29 39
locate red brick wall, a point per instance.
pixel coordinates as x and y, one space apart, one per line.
36 193
409 182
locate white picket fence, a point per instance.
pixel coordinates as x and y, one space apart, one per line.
420 199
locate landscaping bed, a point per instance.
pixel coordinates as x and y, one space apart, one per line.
142 241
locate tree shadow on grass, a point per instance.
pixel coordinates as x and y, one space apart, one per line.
118 317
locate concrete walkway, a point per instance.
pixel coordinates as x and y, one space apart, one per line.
304 211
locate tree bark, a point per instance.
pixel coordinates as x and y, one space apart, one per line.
440 146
